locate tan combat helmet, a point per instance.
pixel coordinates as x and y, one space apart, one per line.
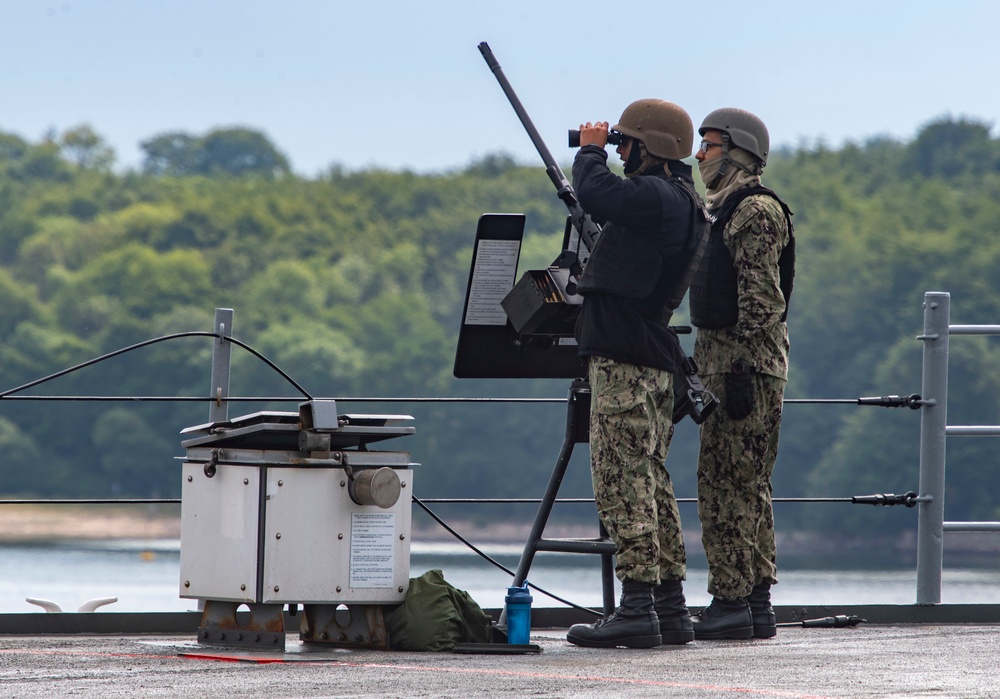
745 130
665 128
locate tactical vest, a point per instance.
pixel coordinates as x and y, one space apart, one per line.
714 302
630 265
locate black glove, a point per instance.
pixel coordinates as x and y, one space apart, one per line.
682 404
739 392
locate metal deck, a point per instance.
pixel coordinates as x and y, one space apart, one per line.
868 661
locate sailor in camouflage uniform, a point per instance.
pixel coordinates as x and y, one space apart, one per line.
739 303
632 282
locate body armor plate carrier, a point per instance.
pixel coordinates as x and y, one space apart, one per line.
713 291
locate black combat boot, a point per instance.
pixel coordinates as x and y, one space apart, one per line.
761 611
723 619
632 625
671 610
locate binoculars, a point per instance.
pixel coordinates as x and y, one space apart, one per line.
614 138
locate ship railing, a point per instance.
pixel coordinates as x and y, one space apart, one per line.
932 401
934 430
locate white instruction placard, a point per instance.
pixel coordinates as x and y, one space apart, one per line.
372 545
492 279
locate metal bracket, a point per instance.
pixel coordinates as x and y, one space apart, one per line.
263 627
319 415
354 626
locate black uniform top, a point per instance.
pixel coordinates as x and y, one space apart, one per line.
632 329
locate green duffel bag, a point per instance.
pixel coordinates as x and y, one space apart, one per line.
436 616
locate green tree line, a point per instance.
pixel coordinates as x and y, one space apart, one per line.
353 284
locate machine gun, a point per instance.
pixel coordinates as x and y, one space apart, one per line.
545 302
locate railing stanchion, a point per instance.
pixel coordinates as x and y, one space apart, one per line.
933 424
218 410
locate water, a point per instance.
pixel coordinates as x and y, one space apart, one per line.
144 576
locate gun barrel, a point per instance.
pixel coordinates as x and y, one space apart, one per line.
536 139
581 221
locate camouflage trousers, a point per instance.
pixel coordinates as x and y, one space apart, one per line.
734 489
630 433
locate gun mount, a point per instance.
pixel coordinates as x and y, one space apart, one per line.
524 329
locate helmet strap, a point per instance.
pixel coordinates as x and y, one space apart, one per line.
635 158
744 168
640 160
726 160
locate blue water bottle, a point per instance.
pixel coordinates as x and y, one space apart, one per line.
517 604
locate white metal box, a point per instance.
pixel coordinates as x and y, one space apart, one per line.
275 533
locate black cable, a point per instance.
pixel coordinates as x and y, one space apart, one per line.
884 499
499 565
278 399
580 501
914 404
95 501
145 343
162 399
840 621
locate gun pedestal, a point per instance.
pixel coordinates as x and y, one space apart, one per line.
577 432
490 347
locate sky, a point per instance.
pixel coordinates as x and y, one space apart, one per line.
401 84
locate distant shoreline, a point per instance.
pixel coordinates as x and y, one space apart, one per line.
22 523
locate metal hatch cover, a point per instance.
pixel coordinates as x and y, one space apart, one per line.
280 430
